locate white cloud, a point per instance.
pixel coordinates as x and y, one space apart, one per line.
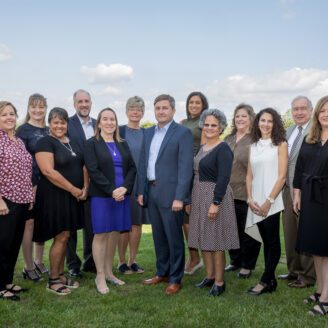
5 53
271 90
103 73
109 91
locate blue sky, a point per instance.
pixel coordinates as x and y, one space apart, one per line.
260 52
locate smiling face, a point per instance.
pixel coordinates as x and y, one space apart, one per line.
242 120
58 128
82 104
323 116
195 106
266 125
37 111
8 119
211 128
107 123
164 112
301 113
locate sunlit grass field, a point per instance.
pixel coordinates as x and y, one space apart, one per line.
135 305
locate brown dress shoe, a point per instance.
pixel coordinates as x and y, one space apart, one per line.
172 289
155 280
299 284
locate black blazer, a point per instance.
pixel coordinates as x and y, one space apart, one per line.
75 130
99 164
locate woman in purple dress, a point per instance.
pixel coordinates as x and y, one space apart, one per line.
112 172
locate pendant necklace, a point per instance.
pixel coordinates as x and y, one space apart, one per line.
69 147
112 150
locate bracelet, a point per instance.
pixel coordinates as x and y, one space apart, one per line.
270 199
249 200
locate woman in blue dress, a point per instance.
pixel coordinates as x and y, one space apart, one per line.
112 172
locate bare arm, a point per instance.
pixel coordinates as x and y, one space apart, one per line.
253 205
45 162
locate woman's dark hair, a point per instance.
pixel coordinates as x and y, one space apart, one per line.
202 98
278 134
59 113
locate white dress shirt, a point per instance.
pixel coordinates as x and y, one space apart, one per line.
155 146
294 135
87 127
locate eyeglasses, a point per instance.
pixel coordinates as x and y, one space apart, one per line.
210 125
135 109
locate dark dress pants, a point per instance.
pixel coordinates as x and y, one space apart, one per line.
246 256
269 230
72 259
12 227
168 240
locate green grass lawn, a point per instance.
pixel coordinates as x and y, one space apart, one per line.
135 305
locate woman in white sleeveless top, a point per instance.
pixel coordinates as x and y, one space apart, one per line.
265 179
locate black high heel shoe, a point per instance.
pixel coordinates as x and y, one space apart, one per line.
31 275
267 288
206 282
216 290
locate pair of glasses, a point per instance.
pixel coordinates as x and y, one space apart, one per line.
210 125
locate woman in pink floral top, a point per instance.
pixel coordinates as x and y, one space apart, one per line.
16 196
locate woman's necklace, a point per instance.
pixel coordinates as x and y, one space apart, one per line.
112 150
68 146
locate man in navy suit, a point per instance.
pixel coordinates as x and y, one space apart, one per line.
80 128
165 174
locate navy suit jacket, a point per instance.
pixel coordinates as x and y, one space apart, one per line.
173 168
75 131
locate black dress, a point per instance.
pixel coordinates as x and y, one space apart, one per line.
311 176
56 210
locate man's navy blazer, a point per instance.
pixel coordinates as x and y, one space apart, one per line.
173 168
75 130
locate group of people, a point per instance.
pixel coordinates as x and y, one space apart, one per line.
224 194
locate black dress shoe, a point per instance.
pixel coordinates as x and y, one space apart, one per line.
206 282
230 268
216 290
267 288
76 273
90 269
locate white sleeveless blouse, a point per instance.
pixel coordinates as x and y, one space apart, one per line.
264 164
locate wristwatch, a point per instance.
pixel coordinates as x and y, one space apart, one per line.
270 199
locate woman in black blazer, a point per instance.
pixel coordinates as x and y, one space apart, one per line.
112 172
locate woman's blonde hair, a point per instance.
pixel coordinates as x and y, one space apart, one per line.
116 135
314 135
33 101
3 104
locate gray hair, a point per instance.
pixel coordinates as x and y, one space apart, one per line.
135 102
169 98
309 103
219 115
82 91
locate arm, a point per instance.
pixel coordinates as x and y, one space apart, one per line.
45 162
185 170
141 173
223 162
297 183
282 171
85 184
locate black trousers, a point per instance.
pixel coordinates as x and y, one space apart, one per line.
12 228
246 256
269 230
72 259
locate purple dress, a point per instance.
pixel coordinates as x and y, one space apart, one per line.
107 214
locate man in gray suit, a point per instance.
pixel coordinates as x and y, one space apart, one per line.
165 174
300 267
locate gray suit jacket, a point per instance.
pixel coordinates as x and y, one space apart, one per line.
173 168
292 160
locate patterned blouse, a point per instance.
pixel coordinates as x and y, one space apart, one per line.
15 170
